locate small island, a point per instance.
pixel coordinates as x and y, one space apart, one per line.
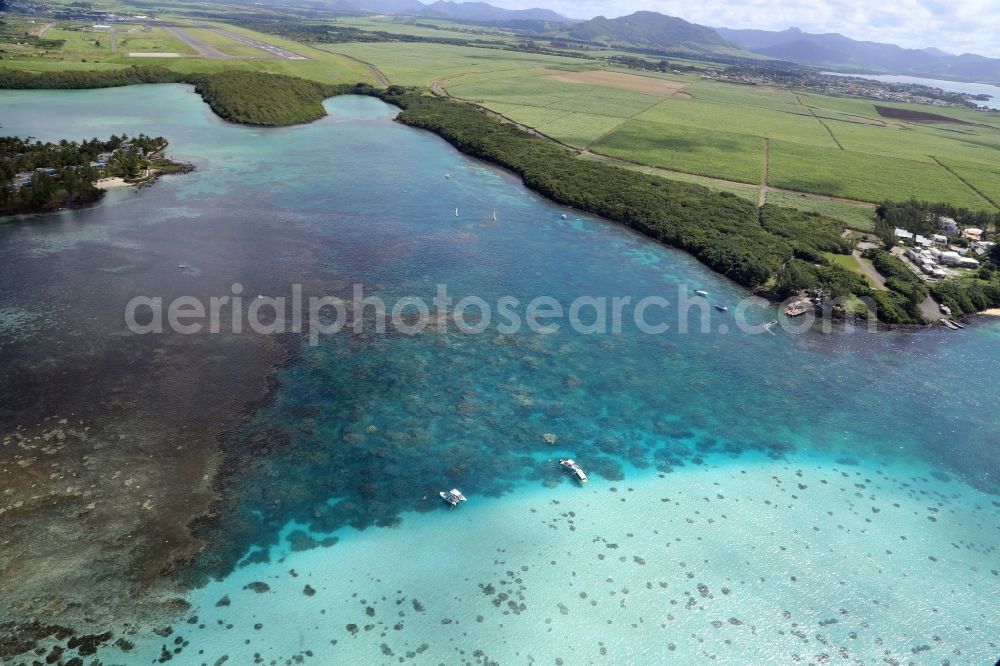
37 177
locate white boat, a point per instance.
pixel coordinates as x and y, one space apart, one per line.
452 497
796 310
571 465
456 212
701 292
565 216
447 176
494 215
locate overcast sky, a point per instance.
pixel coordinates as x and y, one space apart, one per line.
956 26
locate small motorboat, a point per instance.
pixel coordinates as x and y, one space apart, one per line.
452 497
701 292
456 212
447 176
721 308
565 216
571 465
795 310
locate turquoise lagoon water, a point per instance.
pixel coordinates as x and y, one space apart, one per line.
753 498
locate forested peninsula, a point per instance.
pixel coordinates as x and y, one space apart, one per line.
37 176
240 96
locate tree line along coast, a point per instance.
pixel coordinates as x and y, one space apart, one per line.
776 251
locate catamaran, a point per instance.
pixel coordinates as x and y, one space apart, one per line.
452 497
571 465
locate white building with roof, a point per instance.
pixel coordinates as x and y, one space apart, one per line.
947 225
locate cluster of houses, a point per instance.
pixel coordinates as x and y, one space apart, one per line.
935 255
23 178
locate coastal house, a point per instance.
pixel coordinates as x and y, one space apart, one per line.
940 239
950 258
947 225
968 262
903 234
923 242
22 179
973 234
982 247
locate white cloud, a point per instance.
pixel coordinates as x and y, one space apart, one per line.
969 26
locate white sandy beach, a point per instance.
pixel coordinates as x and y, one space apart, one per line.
110 183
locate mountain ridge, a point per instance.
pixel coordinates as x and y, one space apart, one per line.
835 50
646 29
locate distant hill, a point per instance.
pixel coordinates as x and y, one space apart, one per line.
648 30
389 6
481 11
836 51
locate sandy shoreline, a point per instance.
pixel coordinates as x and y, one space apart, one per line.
992 312
110 183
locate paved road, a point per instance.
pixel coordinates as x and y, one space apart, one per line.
114 40
204 49
45 29
256 43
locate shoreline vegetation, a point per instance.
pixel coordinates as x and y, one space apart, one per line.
38 177
240 96
774 251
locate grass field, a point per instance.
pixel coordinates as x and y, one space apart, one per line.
737 157
80 53
414 64
867 177
135 39
443 29
860 218
742 190
821 145
825 145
